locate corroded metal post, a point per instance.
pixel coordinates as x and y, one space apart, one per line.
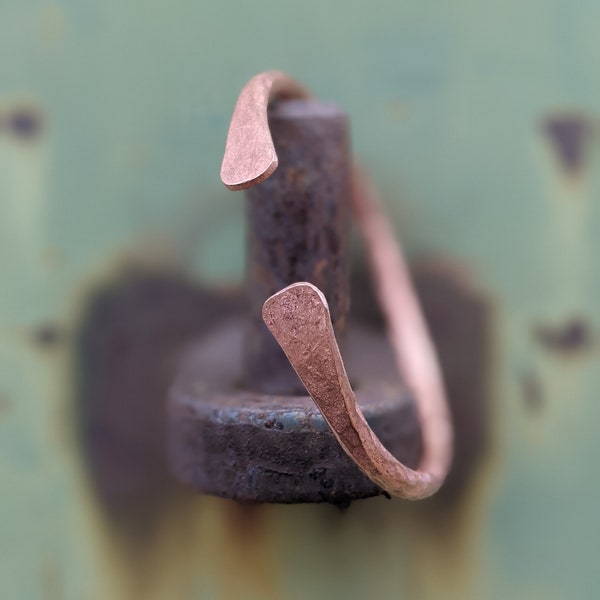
298 229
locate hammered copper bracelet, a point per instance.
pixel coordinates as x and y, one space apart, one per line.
298 316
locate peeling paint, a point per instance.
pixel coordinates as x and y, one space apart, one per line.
572 336
570 135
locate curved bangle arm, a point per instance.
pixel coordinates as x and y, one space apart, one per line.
407 330
250 155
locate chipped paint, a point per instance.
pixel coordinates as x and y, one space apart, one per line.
570 135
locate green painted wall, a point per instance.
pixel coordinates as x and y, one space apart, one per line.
447 102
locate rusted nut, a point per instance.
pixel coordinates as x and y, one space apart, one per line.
238 444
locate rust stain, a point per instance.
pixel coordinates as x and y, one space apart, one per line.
446 540
320 268
5 404
52 24
207 543
246 552
532 392
297 177
51 580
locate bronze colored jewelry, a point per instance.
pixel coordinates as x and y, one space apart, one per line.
298 316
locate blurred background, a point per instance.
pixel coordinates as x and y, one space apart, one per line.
478 121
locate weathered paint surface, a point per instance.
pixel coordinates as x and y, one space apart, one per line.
450 105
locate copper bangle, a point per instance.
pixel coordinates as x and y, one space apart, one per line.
298 316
